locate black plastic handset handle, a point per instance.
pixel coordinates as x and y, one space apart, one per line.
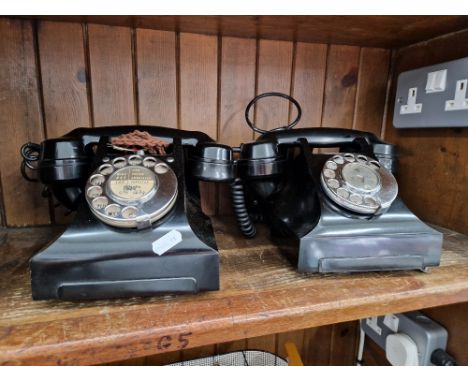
320 136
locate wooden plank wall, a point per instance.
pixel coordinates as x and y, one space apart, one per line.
58 76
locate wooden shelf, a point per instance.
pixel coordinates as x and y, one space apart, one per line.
261 293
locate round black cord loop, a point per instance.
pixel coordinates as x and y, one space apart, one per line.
30 153
273 94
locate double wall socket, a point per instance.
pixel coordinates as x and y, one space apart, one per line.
425 334
433 96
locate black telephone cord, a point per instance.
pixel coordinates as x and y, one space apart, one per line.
240 209
273 94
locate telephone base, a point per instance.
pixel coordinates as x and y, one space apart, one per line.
395 240
91 260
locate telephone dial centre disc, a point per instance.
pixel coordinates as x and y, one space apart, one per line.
131 191
358 183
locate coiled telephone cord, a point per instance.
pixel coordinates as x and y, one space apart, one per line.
240 209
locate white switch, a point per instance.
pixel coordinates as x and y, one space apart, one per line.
436 81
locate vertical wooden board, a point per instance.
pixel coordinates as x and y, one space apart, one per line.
20 122
156 74
371 89
63 73
274 75
343 347
340 86
232 346
64 84
309 81
317 343
296 337
199 83
140 361
200 352
267 343
163 359
199 96
373 354
237 88
111 67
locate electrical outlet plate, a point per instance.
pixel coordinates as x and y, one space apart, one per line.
426 333
441 92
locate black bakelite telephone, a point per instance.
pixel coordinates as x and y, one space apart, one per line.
335 212
139 229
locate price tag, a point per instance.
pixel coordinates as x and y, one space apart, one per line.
166 242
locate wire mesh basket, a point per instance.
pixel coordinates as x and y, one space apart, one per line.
237 358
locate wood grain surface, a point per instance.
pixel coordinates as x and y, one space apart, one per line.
20 122
110 56
261 293
65 84
199 97
64 77
156 77
237 88
373 77
375 31
310 65
275 59
340 86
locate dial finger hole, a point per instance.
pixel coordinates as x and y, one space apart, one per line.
331 165
112 210
94 191
130 212
349 157
97 179
135 160
149 162
338 159
119 162
106 169
342 193
161 168
361 158
371 201
329 173
355 198
374 164
333 183
100 202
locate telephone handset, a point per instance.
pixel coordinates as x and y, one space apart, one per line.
331 212
139 229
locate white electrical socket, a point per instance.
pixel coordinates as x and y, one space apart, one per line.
460 102
411 107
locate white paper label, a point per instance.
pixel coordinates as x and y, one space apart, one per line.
372 323
166 242
391 321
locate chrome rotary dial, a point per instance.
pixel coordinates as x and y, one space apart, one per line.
131 191
358 183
